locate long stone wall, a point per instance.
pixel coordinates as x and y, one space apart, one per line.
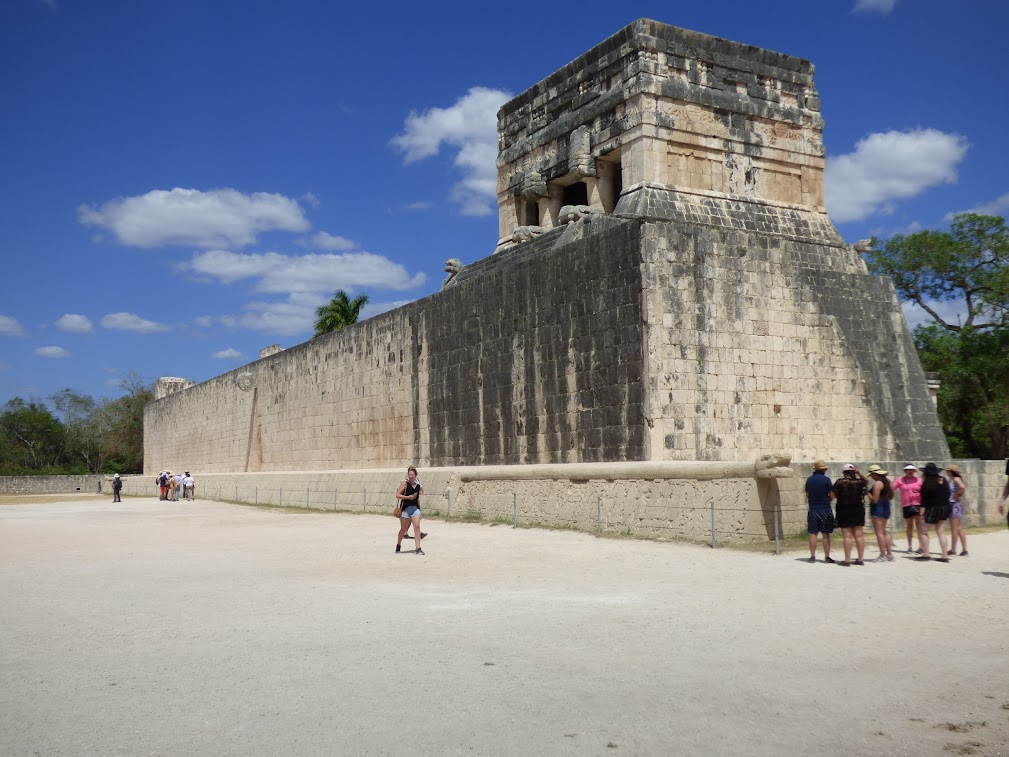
652 500
87 484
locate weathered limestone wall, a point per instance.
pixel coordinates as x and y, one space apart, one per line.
661 501
532 356
51 484
765 331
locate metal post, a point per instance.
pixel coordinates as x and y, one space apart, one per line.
448 493
365 501
308 498
236 492
712 523
599 514
515 510
336 499
777 541
281 502
257 495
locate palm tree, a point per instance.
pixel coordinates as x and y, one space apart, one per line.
338 312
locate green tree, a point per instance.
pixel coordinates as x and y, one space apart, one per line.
969 267
123 421
339 312
34 439
84 427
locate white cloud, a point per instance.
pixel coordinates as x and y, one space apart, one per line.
131 322
306 273
883 6
204 321
310 199
221 217
890 166
10 327
229 354
997 207
52 351
294 316
470 126
325 241
76 323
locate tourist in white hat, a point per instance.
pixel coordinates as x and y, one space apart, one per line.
909 488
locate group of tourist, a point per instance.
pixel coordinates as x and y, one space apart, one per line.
172 486
932 500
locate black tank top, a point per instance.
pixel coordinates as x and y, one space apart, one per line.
410 490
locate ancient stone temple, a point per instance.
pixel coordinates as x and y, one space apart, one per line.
667 286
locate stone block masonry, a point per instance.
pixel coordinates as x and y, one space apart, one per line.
666 286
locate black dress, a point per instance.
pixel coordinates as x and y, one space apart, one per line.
935 499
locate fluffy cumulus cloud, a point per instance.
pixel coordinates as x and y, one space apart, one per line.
229 354
294 316
470 128
305 274
10 326
189 217
879 6
51 351
330 242
887 167
132 322
77 324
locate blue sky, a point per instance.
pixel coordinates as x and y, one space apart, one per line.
183 183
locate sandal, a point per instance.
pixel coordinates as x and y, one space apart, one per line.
418 551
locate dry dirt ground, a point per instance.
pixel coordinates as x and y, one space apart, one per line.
213 629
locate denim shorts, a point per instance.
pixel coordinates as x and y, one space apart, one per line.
880 510
409 511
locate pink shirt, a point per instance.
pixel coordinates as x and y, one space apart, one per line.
910 490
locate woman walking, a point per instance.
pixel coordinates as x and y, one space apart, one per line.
935 499
909 487
880 496
956 489
408 495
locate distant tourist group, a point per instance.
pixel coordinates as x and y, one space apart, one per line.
172 486
932 500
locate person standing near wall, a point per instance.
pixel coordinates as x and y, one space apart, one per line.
849 492
408 495
117 486
956 489
909 488
880 496
935 500
1005 494
187 486
820 518
178 485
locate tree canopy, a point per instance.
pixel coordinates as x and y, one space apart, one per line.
968 267
75 433
339 312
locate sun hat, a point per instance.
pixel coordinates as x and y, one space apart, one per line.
878 471
115 475
820 465
953 468
931 469
847 467
910 467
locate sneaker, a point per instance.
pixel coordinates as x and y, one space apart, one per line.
859 562
881 558
964 553
418 551
398 547
919 551
845 564
890 558
910 550
828 559
811 559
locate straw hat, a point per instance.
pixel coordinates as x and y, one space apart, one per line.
953 468
820 465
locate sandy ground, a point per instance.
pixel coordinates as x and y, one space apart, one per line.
212 629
